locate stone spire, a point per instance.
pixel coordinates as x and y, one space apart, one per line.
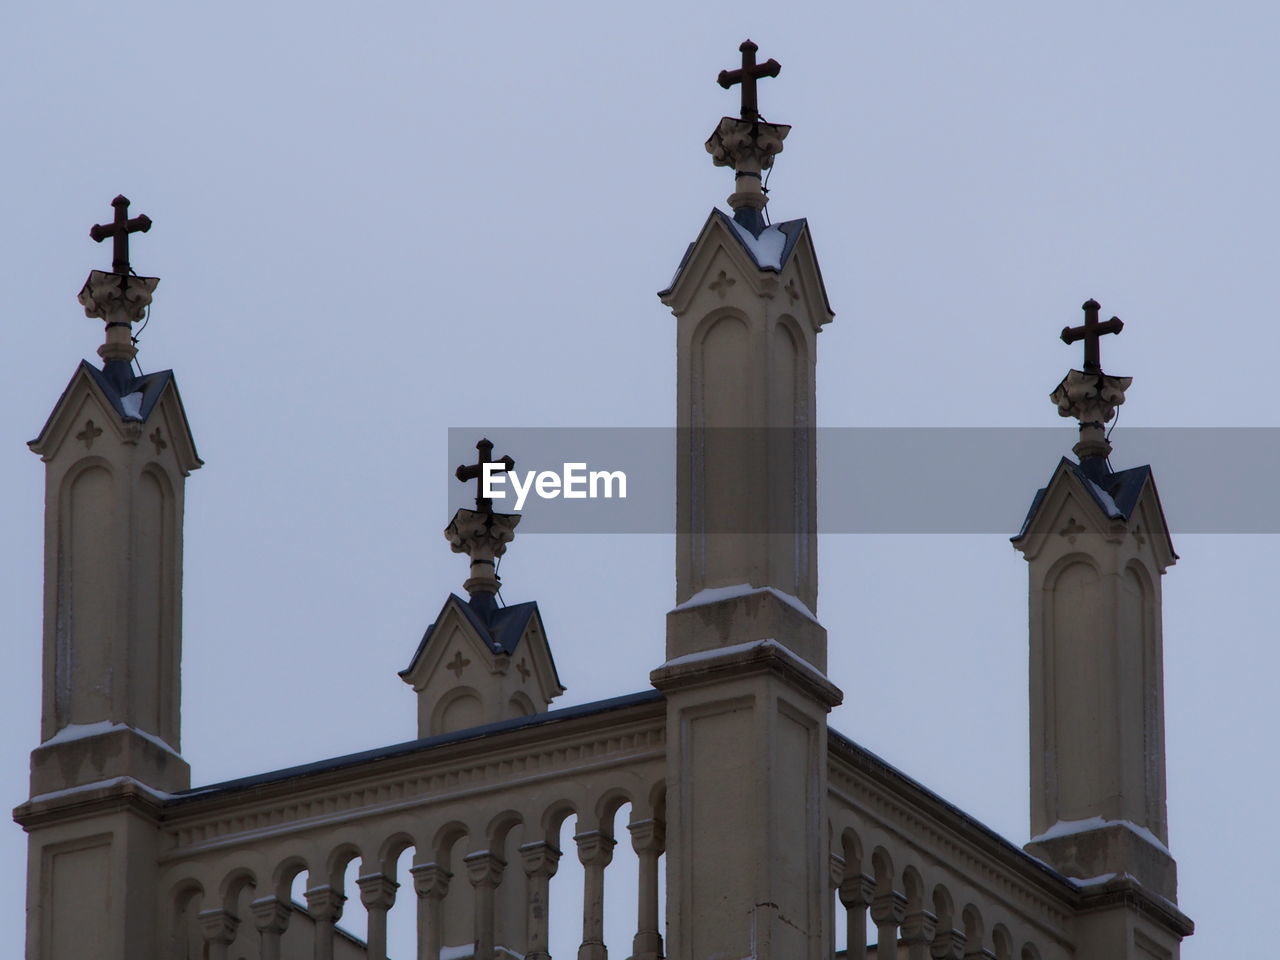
1090 395
746 142
117 451
121 296
1097 545
745 681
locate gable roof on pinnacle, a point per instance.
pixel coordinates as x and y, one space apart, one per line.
770 250
500 628
133 398
1116 494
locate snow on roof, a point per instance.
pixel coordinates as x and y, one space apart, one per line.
716 594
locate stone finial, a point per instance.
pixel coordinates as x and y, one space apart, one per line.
748 146
1090 397
483 536
119 299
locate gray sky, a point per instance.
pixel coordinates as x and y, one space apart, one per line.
372 225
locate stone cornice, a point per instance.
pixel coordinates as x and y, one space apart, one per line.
1127 892
511 761
762 656
90 800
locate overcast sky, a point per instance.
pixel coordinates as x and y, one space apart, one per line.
373 224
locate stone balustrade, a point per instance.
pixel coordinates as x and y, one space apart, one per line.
920 873
483 811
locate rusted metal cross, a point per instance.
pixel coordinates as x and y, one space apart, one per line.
1091 332
476 472
119 230
747 76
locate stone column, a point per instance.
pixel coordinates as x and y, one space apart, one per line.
856 894
648 838
887 912
271 917
325 906
219 927
595 851
540 862
484 869
949 945
431 883
918 928
377 893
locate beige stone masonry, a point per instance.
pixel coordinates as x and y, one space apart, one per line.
113 590
746 502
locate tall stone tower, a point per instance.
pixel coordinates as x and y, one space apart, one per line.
117 450
747 694
1097 544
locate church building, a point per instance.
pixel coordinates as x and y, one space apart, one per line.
770 829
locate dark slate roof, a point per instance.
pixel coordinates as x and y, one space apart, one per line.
499 627
789 230
117 382
1116 494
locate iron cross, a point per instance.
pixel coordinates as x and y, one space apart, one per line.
747 76
476 472
1091 332
119 230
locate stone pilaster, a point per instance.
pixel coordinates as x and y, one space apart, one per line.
747 780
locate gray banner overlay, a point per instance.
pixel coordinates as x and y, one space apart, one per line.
882 480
